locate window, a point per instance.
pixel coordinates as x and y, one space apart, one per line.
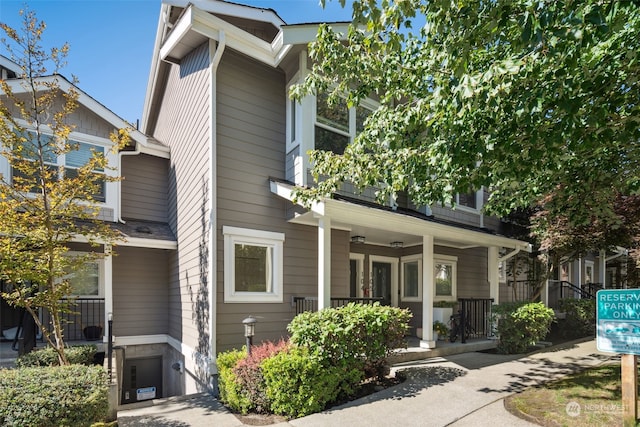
252 265
411 280
445 272
468 200
70 161
87 280
336 125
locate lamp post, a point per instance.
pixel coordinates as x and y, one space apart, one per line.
249 331
110 345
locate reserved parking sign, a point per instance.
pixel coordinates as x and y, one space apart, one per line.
618 321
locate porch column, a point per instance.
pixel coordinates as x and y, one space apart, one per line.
108 289
493 273
602 268
324 262
428 291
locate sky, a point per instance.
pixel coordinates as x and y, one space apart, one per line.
111 41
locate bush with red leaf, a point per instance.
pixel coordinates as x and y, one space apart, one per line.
248 372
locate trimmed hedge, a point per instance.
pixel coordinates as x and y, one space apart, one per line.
299 384
353 335
47 356
74 395
330 354
521 325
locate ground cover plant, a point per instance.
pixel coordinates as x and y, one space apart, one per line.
328 359
589 398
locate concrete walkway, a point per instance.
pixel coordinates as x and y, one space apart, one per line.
460 390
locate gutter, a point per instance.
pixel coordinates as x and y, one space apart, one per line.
216 51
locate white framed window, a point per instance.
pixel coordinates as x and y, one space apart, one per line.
589 271
66 163
445 267
336 125
411 278
469 201
87 281
253 264
502 271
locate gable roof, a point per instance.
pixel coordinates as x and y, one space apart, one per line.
202 20
146 144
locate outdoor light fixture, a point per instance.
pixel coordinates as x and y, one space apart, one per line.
357 239
397 245
249 331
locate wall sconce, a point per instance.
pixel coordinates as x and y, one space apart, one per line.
397 245
357 239
249 331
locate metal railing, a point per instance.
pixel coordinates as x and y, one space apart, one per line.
561 289
303 304
475 317
85 322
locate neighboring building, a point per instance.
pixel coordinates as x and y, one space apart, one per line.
217 96
133 285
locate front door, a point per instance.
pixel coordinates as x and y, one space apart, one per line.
383 279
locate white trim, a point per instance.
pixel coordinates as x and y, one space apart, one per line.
97 108
101 273
446 259
10 65
406 260
139 242
271 240
359 259
589 263
393 279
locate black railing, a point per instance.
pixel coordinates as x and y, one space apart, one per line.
85 322
562 289
303 304
475 317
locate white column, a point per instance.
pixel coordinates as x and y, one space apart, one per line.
493 273
602 268
324 262
428 291
108 288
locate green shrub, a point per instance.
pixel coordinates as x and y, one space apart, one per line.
248 373
580 317
298 383
520 325
47 356
74 395
229 387
354 336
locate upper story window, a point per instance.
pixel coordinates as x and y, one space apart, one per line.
66 164
336 125
468 200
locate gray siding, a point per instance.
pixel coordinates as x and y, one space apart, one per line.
140 291
144 187
251 147
183 124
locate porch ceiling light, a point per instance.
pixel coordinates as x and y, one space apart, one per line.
397 245
357 239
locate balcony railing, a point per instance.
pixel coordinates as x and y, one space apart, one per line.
475 315
85 322
303 304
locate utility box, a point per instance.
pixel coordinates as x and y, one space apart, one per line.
142 379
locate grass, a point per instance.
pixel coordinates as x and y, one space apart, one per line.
590 398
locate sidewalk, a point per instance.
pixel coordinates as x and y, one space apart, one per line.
460 390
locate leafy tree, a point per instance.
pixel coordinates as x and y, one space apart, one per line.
44 207
537 101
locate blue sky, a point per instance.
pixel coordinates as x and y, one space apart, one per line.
111 41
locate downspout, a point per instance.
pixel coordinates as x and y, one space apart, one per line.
120 154
215 53
509 255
